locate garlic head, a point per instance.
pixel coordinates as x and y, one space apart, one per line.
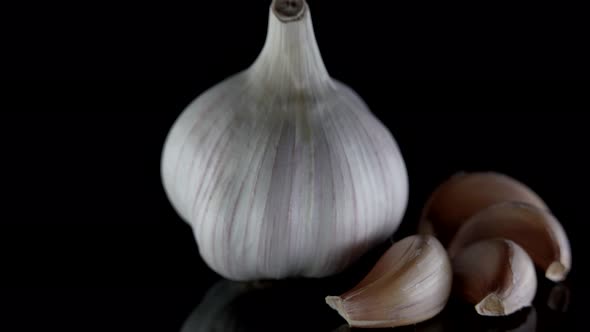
280 170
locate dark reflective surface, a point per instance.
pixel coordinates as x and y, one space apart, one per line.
232 306
89 241
559 298
299 306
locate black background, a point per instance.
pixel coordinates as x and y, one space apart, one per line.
88 240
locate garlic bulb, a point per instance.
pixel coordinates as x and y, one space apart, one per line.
280 170
410 283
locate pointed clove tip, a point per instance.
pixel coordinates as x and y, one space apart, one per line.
335 302
491 305
556 272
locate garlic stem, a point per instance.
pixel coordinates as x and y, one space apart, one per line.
289 10
291 52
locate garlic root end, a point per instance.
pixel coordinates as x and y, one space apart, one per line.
335 302
556 272
491 305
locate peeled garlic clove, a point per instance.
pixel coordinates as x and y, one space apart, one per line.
495 275
537 231
410 283
280 170
465 194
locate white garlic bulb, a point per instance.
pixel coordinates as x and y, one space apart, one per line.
280 170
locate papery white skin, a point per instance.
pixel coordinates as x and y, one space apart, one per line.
282 171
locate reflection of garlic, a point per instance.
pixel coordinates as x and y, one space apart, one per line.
495 275
529 323
280 170
535 230
410 283
214 312
559 298
464 194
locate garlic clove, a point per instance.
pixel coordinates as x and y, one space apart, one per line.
537 231
464 194
496 275
410 283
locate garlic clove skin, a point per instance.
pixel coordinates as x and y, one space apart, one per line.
537 231
464 194
410 283
496 275
280 170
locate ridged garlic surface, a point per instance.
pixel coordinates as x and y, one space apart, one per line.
409 284
280 170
